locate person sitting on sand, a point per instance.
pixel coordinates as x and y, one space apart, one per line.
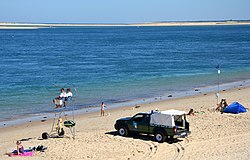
191 112
222 105
20 149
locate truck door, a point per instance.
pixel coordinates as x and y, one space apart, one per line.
140 123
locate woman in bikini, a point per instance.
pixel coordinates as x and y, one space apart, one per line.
102 108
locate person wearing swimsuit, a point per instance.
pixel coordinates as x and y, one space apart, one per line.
20 149
102 108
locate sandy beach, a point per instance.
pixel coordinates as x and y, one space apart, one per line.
214 135
7 25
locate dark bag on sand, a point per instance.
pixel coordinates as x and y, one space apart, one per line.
40 148
69 123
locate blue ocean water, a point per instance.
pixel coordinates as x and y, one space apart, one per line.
115 64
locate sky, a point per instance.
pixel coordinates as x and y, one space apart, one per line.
122 11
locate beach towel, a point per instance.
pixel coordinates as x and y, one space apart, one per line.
26 153
235 108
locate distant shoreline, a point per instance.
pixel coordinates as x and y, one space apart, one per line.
9 25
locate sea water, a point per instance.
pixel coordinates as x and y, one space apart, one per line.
116 65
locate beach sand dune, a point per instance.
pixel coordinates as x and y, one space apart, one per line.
214 135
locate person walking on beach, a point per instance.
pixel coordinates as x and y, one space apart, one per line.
102 108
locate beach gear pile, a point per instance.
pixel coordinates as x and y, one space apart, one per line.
40 148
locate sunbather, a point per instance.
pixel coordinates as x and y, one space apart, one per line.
191 112
20 149
222 105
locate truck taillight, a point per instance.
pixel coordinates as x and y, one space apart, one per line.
175 130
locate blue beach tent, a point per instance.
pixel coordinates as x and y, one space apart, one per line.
235 108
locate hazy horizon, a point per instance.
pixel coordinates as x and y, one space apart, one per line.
112 11
237 20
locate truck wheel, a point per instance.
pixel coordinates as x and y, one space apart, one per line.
159 136
123 131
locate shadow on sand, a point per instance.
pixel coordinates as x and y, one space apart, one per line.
144 137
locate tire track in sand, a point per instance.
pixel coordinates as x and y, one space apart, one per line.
152 147
180 149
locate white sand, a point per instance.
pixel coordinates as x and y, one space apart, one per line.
36 26
214 135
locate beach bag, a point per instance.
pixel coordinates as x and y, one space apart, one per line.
69 123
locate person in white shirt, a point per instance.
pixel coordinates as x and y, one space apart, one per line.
69 95
60 99
62 95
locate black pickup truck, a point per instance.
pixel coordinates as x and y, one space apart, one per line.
166 124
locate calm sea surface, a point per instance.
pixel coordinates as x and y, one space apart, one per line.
115 64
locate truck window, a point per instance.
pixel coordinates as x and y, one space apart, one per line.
138 118
146 118
178 120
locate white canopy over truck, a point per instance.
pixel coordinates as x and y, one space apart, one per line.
168 118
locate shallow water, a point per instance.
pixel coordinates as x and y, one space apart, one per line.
115 64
